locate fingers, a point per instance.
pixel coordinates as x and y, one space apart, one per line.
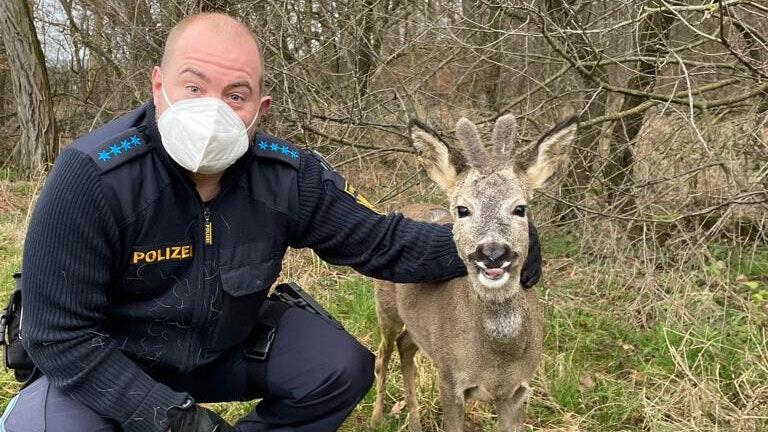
531 272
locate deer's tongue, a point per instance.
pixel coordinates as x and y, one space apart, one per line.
493 273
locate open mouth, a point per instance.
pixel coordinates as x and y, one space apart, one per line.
493 277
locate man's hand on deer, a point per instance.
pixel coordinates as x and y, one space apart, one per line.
531 272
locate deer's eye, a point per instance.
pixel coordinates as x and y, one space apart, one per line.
462 211
519 211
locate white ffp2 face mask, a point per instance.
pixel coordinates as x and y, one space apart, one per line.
203 135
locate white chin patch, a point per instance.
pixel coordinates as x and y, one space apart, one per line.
493 283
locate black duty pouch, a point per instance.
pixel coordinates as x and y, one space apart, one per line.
14 354
283 297
259 343
292 294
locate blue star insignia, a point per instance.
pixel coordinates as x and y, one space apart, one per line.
115 150
274 147
104 155
263 145
125 145
285 150
294 154
135 141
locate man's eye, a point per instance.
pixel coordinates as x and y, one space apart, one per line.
519 211
193 89
462 211
236 98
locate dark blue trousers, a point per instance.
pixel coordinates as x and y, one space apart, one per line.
315 375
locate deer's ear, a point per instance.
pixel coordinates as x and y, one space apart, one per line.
474 152
550 151
433 156
504 134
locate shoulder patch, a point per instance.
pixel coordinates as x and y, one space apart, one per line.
119 149
361 199
330 174
273 148
324 162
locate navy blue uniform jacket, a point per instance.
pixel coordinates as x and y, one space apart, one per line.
129 276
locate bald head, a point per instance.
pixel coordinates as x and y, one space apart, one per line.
226 32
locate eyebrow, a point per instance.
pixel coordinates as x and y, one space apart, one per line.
245 84
195 72
203 77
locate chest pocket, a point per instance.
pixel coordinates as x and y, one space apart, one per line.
246 272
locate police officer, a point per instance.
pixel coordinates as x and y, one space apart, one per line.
154 243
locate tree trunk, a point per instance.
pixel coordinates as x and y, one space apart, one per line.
4 72
492 79
652 33
581 168
367 46
29 76
307 19
332 36
483 25
756 150
755 51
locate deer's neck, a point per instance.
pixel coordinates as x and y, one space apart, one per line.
503 319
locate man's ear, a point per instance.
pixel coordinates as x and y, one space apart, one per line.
157 85
433 155
264 104
550 151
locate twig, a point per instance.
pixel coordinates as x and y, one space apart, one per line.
709 8
690 100
351 144
727 44
735 201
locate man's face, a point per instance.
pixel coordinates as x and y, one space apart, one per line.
202 63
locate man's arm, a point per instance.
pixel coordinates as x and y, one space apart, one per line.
344 232
67 264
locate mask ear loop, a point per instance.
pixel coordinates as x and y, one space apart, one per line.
254 120
165 95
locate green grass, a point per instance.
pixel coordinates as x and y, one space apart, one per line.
751 262
10 262
746 267
563 244
12 175
353 304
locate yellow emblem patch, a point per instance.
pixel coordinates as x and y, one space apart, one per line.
360 199
169 253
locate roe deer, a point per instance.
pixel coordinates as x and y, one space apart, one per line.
482 331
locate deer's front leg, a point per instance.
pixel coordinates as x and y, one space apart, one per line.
407 348
511 410
452 402
382 367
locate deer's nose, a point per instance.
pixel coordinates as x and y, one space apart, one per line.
494 254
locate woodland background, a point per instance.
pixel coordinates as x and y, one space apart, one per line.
656 259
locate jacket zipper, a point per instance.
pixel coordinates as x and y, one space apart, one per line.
200 315
207 243
207 227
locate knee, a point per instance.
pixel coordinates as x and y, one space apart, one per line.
42 407
359 371
349 376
